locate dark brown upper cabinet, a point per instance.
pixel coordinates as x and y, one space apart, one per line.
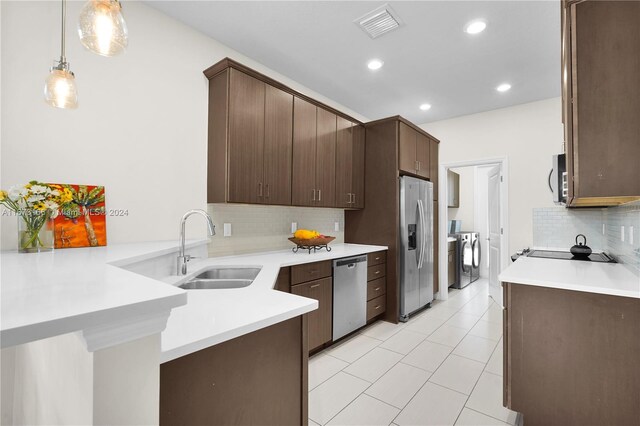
601 101
304 190
267 148
249 159
246 138
414 152
434 146
314 155
349 165
278 146
358 165
407 159
326 158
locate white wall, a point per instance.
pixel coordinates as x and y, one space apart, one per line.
141 125
466 199
528 135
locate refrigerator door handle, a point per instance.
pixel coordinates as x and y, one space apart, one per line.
423 234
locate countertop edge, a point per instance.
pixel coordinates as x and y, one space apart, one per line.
190 348
182 349
594 276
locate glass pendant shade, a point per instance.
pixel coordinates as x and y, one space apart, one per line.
60 89
102 28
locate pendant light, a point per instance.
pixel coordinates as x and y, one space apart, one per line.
102 28
60 86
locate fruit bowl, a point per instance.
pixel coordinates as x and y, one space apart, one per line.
312 243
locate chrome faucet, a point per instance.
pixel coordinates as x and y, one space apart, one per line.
183 259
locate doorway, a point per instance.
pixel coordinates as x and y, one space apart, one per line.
482 207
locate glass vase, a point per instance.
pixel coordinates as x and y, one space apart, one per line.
35 232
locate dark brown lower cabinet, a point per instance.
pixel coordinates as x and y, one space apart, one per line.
570 357
256 379
451 264
321 320
283 282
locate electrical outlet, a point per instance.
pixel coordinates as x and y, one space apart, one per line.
294 227
227 229
336 226
631 235
622 233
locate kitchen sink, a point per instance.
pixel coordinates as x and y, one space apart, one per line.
219 278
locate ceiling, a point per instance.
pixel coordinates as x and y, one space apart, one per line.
429 59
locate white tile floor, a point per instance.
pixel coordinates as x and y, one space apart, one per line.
443 367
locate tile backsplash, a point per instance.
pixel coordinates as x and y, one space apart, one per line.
557 227
263 228
627 251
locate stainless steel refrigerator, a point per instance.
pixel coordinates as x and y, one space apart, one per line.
416 245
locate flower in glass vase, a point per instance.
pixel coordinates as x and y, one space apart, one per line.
35 204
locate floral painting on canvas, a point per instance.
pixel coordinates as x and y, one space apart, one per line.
81 222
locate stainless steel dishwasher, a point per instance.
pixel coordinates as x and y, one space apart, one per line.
349 295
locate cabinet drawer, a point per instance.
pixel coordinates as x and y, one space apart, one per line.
310 271
376 288
376 258
376 271
376 306
451 246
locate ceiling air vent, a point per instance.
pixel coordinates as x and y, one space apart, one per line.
379 21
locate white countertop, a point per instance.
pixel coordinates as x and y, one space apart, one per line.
214 316
451 240
48 294
592 277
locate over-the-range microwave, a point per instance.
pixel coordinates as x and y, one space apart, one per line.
558 183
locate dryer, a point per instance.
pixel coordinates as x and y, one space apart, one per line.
469 256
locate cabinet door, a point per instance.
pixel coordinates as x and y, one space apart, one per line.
246 138
407 149
606 98
451 267
283 282
278 146
320 320
453 189
344 163
423 146
326 158
433 161
303 185
358 167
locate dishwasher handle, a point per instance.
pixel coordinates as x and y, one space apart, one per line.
350 262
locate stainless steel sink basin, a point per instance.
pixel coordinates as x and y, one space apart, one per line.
219 278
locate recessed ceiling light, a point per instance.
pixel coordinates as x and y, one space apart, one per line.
375 64
475 27
503 87
425 107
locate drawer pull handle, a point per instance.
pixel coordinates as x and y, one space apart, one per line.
315 285
378 258
377 307
377 272
376 289
314 271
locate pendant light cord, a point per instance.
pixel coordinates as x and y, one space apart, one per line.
63 58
